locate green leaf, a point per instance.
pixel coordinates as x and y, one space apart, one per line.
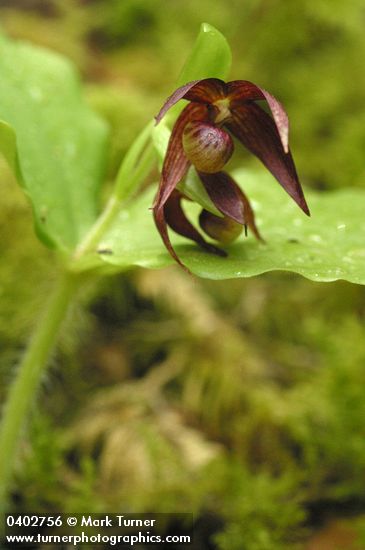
210 57
8 148
53 142
325 247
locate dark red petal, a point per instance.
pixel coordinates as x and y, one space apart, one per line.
243 90
159 216
257 131
176 219
229 198
173 215
176 164
225 194
207 91
250 216
200 91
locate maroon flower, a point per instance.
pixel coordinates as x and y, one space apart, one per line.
200 138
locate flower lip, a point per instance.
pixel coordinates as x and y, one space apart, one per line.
207 146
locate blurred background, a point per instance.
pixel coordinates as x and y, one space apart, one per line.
240 401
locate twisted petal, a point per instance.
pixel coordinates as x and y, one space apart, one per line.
176 219
250 216
258 132
176 164
243 90
173 215
160 221
225 194
166 207
229 198
205 91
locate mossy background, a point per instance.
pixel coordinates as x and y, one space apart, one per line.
240 401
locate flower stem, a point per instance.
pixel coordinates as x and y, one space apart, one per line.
112 208
93 237
28 377
137 164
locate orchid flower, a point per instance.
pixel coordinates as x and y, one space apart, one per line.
202 137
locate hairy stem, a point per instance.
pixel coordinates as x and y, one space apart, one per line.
137 164
28 377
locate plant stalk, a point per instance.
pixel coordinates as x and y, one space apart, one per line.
113 207
28 378
34 362
98 229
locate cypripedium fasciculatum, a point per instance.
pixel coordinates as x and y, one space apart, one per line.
202 137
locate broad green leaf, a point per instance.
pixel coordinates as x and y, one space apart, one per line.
8 148
54 143
329 245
